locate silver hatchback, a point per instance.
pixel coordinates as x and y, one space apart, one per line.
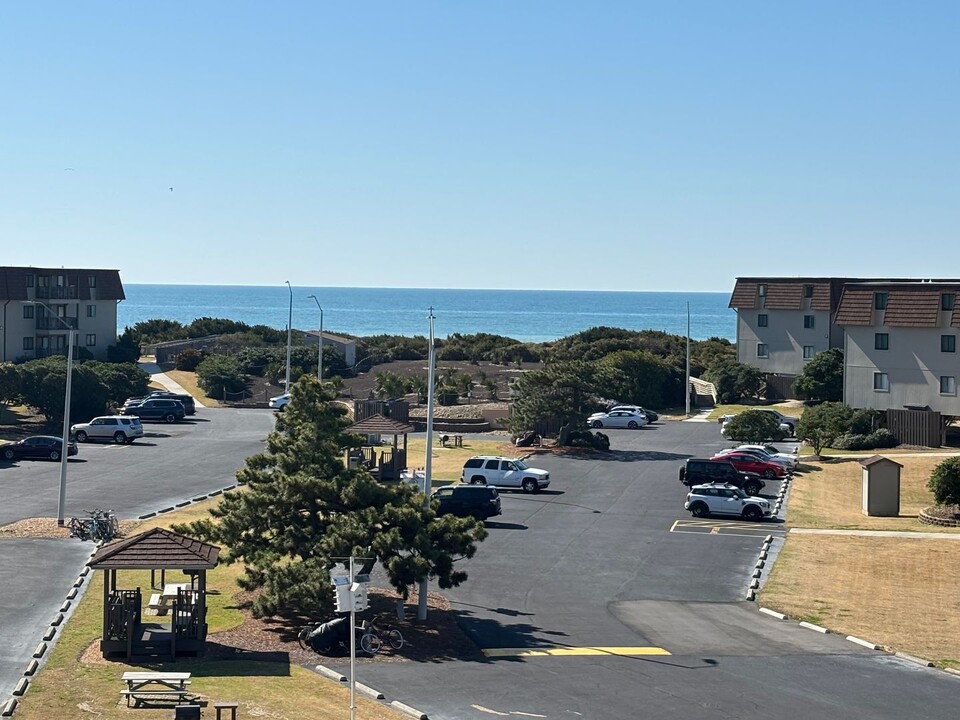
115 428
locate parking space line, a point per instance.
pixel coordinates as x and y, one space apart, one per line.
724 527
626 651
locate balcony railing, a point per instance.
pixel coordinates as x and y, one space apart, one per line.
57 293
56 323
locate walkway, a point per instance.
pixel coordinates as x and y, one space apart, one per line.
161 378
878 533
702 415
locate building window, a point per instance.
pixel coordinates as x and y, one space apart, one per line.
807 352
808 321
91 281
761 350
881 341
808 291
762 320
29 280
91 310
91 339
880 301
881 383
947 301
948 385
948 343
28 343
761 290
28 312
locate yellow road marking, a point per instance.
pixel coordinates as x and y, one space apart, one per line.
569 651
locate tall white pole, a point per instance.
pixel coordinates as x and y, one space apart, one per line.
353 649
428 461
687 385
286 382
320 342
66 428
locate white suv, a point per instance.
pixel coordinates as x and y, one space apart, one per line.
506 473
703 500
118 428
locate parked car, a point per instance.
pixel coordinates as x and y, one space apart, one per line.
788 425
769 452
747 462
479 501
37 447
279 402
189 406
118 428
696 471
703 500
160 409
650 414
503 472
618 419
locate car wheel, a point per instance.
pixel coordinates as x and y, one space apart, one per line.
752 513
699 510
8 454
632 425
81 436
597 424
769 474
169 418
530 486
477 480
751 488
54 455
119 438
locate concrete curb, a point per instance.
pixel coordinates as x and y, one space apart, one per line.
952 671
409 710
31 667
332 674
367 690
9 707
913 659
816 628
864 643
773 613
21 687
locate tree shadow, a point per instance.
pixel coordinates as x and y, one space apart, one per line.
494 525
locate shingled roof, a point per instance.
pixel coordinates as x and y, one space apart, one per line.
13 282
380 425
908 304
157 548
787 293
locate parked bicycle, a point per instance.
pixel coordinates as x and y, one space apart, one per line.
387 633
100 525
333 635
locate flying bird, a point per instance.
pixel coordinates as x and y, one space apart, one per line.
171 189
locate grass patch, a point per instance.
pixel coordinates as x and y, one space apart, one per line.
188 380
75 681
447 462
829 495
899 593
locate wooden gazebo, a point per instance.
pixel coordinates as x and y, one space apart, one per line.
184 631
389 463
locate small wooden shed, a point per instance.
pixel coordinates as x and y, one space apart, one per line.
184 632
389 463
881 486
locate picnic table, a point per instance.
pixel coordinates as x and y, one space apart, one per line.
149 683
162 601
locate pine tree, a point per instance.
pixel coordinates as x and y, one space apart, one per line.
301 507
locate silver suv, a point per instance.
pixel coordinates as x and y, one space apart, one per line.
504 473
704 500
116 428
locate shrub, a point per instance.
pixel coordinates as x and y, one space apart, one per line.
188 360
944 482
219 373
754 426
881 438
585 438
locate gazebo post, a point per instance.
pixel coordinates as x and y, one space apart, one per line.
106 600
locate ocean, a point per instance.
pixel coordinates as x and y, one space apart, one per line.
525 315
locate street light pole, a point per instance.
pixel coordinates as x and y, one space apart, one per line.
286 382
428 460
320 350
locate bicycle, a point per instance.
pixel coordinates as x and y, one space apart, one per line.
387 633
101 525
326 636
79 528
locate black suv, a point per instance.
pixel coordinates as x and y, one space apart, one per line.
704 472
189 407
478 501
157 409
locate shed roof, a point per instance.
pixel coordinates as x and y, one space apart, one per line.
156 549
380 425
874 459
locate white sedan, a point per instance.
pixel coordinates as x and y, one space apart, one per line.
279 402
769 452
618 419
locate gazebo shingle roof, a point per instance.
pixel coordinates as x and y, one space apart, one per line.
380 425
156 549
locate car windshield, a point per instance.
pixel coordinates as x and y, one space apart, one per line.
740 493
520 465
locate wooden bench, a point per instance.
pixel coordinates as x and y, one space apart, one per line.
231 706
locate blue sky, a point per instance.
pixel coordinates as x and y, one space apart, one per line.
555 145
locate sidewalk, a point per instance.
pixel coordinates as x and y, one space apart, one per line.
159 377
878 533
701 415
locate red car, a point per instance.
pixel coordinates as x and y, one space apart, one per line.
750 463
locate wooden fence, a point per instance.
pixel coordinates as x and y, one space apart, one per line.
917 427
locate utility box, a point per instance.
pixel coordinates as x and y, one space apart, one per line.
881 486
